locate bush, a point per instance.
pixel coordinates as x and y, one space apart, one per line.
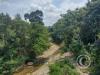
62 68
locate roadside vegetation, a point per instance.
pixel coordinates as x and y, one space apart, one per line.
21 41
79 31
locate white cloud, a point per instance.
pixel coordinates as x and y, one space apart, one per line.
68 4
51 11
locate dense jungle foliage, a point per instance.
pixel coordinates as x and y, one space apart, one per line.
79 31
21 40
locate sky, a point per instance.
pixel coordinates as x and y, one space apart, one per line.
51 8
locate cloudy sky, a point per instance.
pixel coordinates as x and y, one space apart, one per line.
51 8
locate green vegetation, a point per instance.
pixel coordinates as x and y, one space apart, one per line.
21 41
79 31
64 67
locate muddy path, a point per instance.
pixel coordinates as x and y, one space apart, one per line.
53 55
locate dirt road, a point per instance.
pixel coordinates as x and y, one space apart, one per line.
53 55
80 71
44 69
